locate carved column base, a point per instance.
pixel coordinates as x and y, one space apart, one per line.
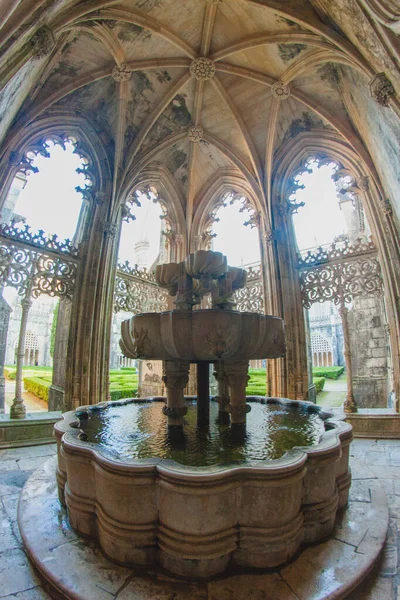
175 377
18 409
175 412
350 405
237 378
238 413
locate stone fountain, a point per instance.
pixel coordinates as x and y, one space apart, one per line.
197 520
220 335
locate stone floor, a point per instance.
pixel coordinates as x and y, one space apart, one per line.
19 582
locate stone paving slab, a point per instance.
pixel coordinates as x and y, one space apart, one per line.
326 571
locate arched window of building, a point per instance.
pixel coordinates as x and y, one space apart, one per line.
31 356
321 351
338 263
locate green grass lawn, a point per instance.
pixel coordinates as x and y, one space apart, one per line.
123 382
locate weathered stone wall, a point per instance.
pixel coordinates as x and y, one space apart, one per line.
368 342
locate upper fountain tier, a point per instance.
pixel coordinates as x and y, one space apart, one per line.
209 335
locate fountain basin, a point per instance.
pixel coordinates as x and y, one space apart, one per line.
203 335
195 521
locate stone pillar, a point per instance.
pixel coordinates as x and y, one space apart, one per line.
56 391
18 409
203 392
5 310
350 405
223 391
237 378
175 377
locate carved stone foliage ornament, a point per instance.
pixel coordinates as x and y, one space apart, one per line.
339 249
38 239
42 42
136 291
34 272
341 281
141 344
280 91
202 68
381 89
195 133
121 73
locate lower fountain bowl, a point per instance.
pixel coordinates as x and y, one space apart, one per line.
195 521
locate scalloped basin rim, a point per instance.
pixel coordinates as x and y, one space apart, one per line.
196 521
292 458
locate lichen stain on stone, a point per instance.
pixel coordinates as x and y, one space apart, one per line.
288 52
129 32
163 76
67 70
179 111
147 5
306 122
330 73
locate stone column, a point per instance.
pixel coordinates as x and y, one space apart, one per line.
237 378
223 391
5 310
203 393
56 390
175 377
18 409
350 405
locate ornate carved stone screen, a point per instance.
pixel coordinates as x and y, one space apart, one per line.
33 264
339 273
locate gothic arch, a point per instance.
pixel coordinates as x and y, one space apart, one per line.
171 201
59 127
291 160
209 199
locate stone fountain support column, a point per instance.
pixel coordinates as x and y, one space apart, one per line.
203 392
175 377
223 391
237 378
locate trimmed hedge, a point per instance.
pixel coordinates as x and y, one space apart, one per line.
38 386
257 385
319 383
121 393
328 372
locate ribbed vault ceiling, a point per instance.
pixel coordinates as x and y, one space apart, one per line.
126 66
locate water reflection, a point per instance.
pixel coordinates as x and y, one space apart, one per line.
139 430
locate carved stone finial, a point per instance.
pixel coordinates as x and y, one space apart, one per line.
42 42
195 133
280 90
202 68
381 89
122 73
363 183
